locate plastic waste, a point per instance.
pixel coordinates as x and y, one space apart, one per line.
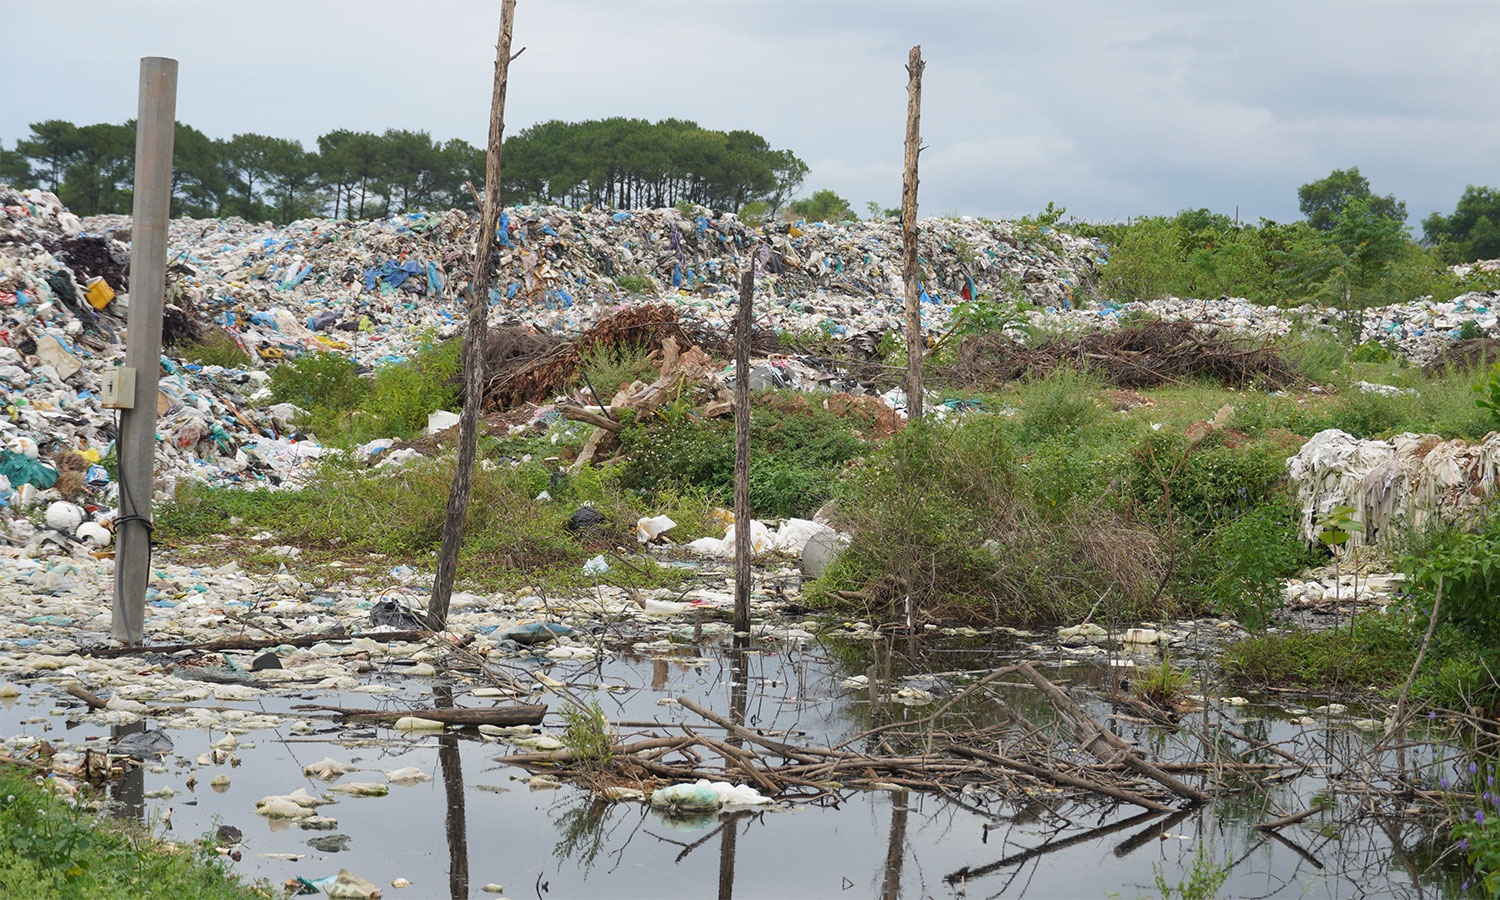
704 794
64 516
144 744
535 632
597 565
649 529
441 420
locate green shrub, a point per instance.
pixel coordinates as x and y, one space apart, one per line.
608 368
1240 564
1317 353
403 394
51 847
1468 562
1061 403
943 514
1144 264
215 347
319 381
1205 483
797 451
1368 415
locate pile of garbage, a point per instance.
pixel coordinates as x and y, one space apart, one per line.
1411 479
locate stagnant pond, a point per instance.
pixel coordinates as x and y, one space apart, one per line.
479 823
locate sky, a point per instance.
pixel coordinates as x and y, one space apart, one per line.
1111 109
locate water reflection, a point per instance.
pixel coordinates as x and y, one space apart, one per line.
739 689
129 791
454 825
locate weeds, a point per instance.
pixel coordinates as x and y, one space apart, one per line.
608 368
52 848
1162 684
215 348
587 734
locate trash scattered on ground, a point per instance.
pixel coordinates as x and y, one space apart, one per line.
1411 480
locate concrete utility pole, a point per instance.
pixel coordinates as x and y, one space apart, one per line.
742 528
914 67
135 445
474 340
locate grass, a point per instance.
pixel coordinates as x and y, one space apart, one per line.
1162 684
214 348
51 848
1373 656
512 539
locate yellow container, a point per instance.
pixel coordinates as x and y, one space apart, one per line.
99 293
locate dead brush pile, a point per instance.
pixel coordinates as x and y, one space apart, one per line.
523 366
1141 354
1463 356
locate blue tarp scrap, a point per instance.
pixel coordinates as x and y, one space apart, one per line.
434 280
502 230
392 273
620 217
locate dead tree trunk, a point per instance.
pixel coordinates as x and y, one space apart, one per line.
742 530
474 340
914 67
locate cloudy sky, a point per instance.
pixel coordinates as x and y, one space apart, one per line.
1111 109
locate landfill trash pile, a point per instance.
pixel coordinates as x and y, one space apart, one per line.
375 290
1411 479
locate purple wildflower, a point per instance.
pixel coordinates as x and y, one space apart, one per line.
1479 817
1473 768
1443 780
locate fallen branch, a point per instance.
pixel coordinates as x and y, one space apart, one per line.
500 715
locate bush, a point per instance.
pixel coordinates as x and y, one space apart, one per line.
1468 562
944 514
1144 264
403 394
1205 483
609 367
319 381
215 348
1062 402
798 450
1238 567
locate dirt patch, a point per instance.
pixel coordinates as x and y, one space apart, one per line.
1462 356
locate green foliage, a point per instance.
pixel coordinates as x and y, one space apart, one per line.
823 206
1161 684
1145 262
609 367
1206 482
403 394
1477 829
1241 563
1203 880
1376 654
799 450
1323 201
1468 563
945 514
1472 232
1469 331
1336 526
319 381
618 162
215 348
637 282
1373 352
51 848
1488 390
630 163
586 733
1062 402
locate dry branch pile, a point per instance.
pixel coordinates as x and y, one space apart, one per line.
522 366
1142 354
1015 756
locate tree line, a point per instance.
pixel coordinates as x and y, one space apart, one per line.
623 163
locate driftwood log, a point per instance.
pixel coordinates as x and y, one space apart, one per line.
500 715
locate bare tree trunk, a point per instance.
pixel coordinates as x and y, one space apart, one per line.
742 528
474 340
914 67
